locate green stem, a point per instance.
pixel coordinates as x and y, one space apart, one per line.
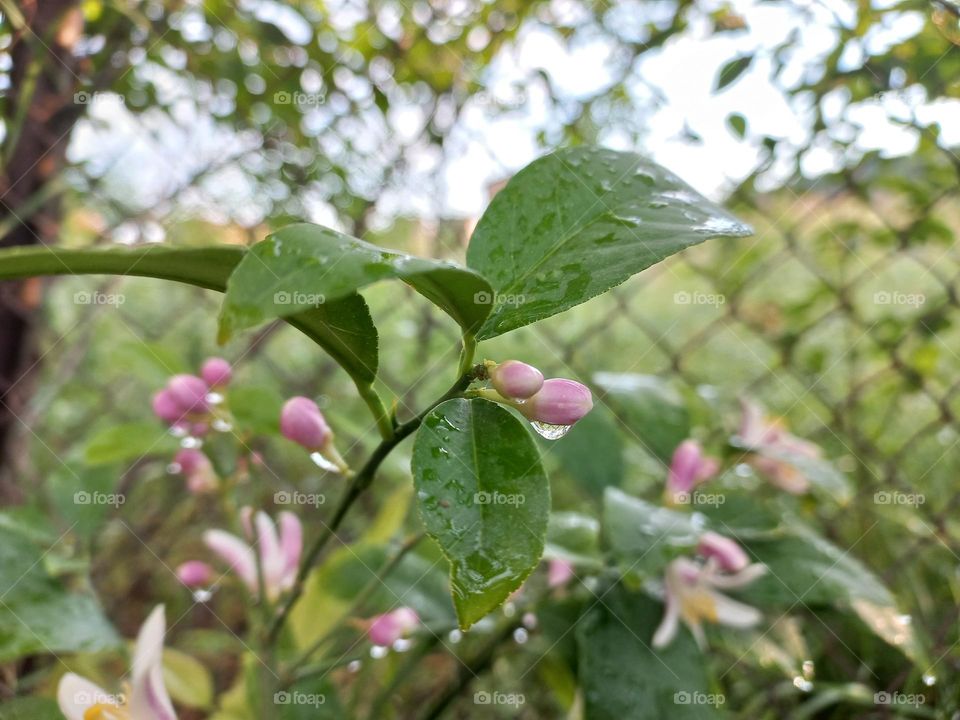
361 597
379 411
361 481
470 670
411 664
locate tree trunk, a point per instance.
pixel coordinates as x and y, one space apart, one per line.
41 113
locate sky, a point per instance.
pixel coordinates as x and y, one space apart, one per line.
672 86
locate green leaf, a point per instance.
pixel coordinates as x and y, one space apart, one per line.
33 708
305 265
806 569
66 488
256 408
623 678
591 453
737 123
573 536
484 498
578 222
38 614
342 327
732 70
645 537
187 680
652 410
130 441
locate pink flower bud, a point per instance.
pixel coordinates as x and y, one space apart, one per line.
216 372
728 554
195 573
386 629
166 407
515 379
196 467
302 422
189 392
688 468
559 573
559 402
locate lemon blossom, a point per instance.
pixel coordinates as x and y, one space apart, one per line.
145 699
692 593
279 553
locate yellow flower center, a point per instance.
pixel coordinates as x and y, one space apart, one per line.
697 606
102 711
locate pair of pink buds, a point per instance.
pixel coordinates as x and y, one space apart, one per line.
556 401
185 401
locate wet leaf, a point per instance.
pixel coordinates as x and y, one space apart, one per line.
579 222
623 678
305 266
806 569
644 536
484 498
653 411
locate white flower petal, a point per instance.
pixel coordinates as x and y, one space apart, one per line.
291 545
272 560
733 613
76 694
668 626
148 695
236 553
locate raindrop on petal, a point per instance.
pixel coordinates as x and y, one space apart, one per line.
520 636
191 443
378 651
221 425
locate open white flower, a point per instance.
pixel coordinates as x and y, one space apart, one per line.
279 554
692 595
777 451
146 697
